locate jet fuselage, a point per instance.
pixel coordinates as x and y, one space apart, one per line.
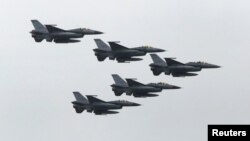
183 68
105 106
143 89
128 53
96 106
56 35
174 68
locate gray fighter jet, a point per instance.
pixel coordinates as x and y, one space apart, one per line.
138 89
99 107
177 69
120 53
52 33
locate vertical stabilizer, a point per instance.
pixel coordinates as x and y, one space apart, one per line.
101 45
80 98
39 27
119 81
157 60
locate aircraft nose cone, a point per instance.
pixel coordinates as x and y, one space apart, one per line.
160 50
136 104
91 32
155 50
98 32
176 87
215 66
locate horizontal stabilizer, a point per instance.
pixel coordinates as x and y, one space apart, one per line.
78 109
156 72
101 57
118 93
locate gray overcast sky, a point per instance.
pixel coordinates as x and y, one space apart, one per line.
37 80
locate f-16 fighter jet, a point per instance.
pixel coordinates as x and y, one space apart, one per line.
138 89
177 69
99 107
120 53
52 33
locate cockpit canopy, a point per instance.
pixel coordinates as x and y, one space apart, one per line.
160 83
200 62
84 29
147 46
163 83
123 101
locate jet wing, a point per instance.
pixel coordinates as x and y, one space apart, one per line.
144 95
104 112
183 74
132 82
125 58
171 61
116 47
52 28
93 99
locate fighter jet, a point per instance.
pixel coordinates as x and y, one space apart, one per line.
177 69
121 53
58 35
99 107
138 89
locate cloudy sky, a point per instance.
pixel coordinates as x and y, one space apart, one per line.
37 79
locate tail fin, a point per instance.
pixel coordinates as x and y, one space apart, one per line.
157 60
119 81
39 27
101 45
80 98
